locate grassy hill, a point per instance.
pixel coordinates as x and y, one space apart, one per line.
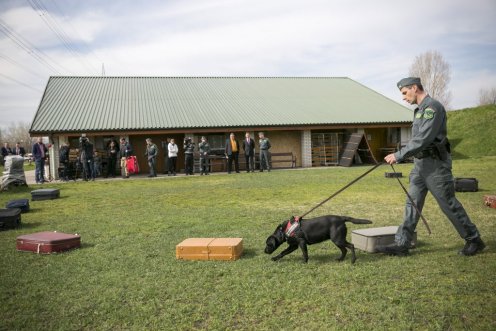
472 132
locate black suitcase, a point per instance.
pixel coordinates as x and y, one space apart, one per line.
45 194
22 204
393 174
466 185
10 218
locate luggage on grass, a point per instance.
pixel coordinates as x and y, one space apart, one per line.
466 185
10 218
227 249
369 239
45 194
22 204
48 242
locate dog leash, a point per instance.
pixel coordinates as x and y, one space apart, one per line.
413 203
344 188
360 177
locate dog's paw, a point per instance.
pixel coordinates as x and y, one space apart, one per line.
275 258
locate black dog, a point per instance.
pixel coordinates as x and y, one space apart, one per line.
300 233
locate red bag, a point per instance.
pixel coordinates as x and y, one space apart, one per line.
490 201
132 165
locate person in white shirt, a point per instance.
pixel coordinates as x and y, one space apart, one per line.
173 149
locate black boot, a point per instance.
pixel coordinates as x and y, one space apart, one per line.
472 247
393 249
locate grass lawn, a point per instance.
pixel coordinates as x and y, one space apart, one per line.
126 275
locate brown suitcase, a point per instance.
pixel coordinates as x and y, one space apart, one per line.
226 249
490 201
48 242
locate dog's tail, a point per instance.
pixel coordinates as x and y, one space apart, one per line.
357 220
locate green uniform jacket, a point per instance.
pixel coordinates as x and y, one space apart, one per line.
429 126
151 151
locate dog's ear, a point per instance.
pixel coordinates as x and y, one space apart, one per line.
279 234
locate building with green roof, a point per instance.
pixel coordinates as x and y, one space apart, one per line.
310 117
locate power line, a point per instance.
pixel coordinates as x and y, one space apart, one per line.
14 62
39 55
75 32
59 32
21 83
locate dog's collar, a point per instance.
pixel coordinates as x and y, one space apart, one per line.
292 226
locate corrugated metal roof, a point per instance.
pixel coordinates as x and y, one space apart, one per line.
75 104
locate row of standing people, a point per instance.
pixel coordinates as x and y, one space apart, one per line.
231 151
17 150
90 161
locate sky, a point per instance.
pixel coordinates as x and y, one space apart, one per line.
371 42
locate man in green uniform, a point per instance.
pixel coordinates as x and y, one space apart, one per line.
432 172
265 145
151 156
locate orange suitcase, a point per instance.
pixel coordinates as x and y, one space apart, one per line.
490 201
226 249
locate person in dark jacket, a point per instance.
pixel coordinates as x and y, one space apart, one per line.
189 148
5 152
204 149
249 149
64 160
18 150
39 152
112 154
232 153
87 155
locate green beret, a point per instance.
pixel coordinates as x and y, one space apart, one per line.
408 82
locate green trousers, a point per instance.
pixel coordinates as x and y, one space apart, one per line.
433 175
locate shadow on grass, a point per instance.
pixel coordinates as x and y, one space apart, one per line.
45 200
33 210
360 257
86 245
30 225
250 253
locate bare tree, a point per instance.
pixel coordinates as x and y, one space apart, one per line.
17 132
435 74
487 97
